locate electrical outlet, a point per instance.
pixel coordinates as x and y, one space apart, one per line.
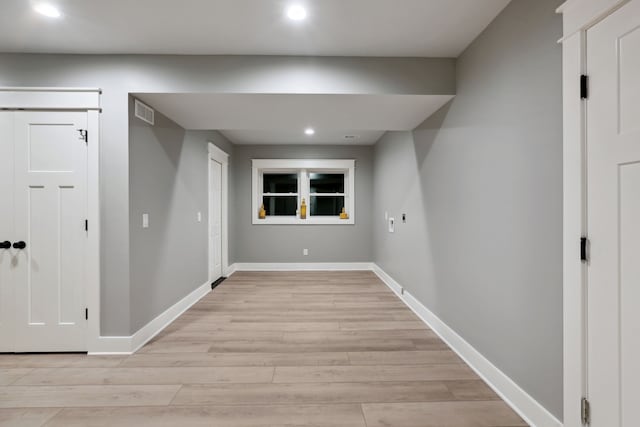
392 225
145 220
404 218
305 252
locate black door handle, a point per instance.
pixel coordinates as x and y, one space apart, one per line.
5 245
19 245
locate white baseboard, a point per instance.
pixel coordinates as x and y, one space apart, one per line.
156 326
110 346
521 402
301 266
229 270
131 344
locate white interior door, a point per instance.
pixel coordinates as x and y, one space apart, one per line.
6 231
50 208
215 220
613 146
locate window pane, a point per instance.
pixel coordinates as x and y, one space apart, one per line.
326 205
280 183
327 182
280 205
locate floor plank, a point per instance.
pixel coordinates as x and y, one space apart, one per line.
441 414
227 416
264 349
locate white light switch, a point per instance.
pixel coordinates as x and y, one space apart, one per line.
392 225
199 216
305 252
145 220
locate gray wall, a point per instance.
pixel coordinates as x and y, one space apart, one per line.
284 243
168 174
119 75
481 183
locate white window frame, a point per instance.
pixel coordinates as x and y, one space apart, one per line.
303 167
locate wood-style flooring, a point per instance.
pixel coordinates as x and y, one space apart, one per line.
265 349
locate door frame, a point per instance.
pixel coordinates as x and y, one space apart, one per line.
578 17
75 99
218 155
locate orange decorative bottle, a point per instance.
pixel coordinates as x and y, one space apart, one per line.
262 214
303 209
344 214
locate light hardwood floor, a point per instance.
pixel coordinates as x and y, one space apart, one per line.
265 349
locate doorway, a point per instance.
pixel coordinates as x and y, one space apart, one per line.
218 208
613 212
43 231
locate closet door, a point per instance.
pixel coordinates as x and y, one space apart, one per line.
6 231
50 208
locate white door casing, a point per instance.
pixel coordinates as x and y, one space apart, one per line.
50 208
6 231
215 215
218 165
613 206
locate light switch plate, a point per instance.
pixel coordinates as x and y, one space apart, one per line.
305 252
199 216
145 220
392 225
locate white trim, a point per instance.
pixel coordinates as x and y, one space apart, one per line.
301 166
521 402
85 100
154 327
131 344
50 98
301 266
216 154
578 17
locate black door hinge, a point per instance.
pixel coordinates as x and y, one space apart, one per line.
584 243
584 86
86 225
585 411
84 135
86 314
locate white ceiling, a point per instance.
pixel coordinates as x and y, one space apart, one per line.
281 119
423 28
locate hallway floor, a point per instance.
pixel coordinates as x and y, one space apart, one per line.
265 349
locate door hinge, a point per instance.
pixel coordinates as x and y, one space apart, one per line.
84 135
86 225
584 245
86 314
584 86
585 411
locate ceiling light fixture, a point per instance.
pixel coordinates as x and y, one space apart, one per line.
47 10
309 131
296 12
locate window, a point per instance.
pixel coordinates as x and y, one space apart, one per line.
327 186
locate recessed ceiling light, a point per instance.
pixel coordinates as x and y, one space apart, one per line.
47 10
296 12
309 131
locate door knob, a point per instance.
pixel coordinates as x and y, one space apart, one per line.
5 245
19 245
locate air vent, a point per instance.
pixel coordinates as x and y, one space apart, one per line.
144 112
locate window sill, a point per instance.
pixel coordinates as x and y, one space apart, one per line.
298 221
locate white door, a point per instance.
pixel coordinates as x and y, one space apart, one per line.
215 220
47 266
6 231
613 151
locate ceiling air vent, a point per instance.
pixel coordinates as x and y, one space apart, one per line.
144 112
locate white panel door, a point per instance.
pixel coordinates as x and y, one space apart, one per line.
50 208
6 230
613 150
215 220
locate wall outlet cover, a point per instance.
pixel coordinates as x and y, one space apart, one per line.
145 220
392 225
